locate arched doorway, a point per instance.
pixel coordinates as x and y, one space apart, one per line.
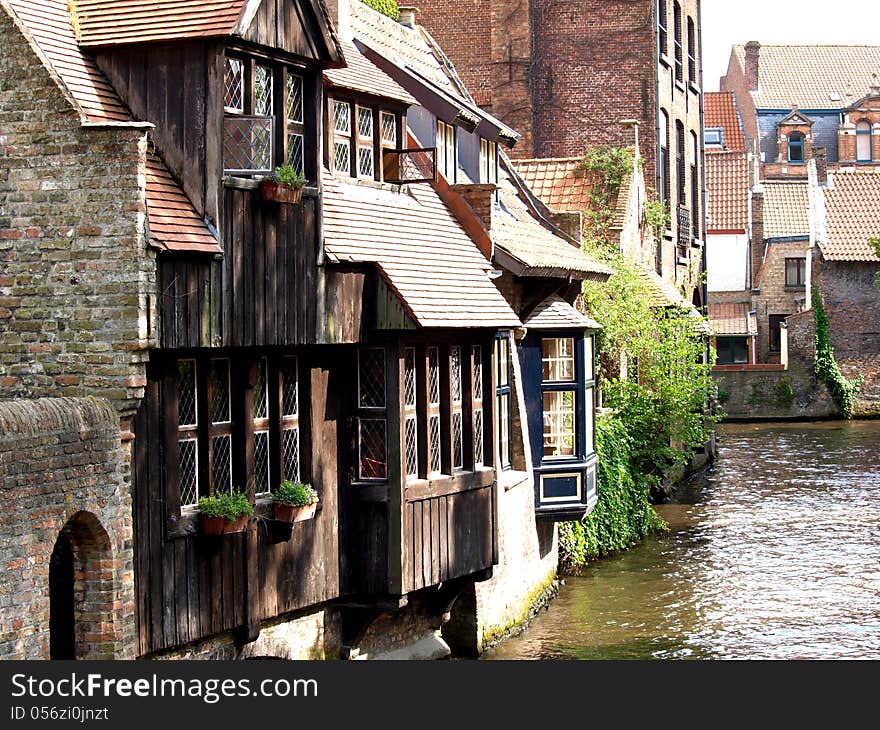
82 622
62 641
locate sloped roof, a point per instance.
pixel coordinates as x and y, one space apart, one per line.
727 184
852 209
558 182
731 318
663 294
174 223
720 111
555 313
540 252
363 75
48 22
424 255
786 209
810 76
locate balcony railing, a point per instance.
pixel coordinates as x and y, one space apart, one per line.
684 231
404 167
248 145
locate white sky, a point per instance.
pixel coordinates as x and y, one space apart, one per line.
729 22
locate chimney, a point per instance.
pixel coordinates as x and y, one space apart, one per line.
408 16
753 51
481 199
821 158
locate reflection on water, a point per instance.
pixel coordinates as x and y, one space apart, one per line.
773 553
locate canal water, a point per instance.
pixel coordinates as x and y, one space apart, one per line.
773 553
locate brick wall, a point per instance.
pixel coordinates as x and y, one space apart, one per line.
775 298
62 469
853 306
75 272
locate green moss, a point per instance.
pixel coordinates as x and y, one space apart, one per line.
386 7
536 599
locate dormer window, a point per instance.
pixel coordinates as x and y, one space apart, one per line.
488 162
864 151
446 162
264 117
796 147
361 136
366 160
342 137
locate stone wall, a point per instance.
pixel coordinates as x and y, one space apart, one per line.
852 303
775 297
75 271
63 468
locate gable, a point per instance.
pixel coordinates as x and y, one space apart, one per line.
298 27
795 118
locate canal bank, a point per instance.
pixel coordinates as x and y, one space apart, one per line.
773 552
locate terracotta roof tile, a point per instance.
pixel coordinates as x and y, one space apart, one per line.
813 77
106 22
363 75
48 22
558 182
554 312
727 184
423 253
518 234
852 209
720 111
786 209
174 223
732 318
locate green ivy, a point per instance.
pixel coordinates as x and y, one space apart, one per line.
843 390
386 7
875 244
623 516
609 167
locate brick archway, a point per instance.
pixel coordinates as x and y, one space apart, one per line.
94 618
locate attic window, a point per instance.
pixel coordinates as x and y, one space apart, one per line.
342 137
863 141
796 147
488 161
713 138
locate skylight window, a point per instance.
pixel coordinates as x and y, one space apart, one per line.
713 137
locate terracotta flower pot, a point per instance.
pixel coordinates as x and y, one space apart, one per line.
222 526
291 513
280 192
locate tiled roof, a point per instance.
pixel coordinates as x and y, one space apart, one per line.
731 318
664 294
106 22
813 77
363 75
541 253
786 209
555 313
558 182
48 22
852 209
174 223
720 111
422 252
727 184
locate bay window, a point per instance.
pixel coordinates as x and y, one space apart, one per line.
502 401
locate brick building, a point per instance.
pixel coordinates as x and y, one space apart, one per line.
566 73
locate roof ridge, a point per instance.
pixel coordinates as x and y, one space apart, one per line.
546 159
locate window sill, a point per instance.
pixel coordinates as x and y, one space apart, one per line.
680 86
664 60
444 485
694 89
253 183
510 479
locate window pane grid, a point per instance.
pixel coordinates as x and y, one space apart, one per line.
261 393
186 393
234 79
289 388
261 462
342 156
290 454
188 461
559 437
455 355
412 453
295 151
371 377
295 99
221 464
409 368
263 82
389 129
478 373
342 117
478 437
434 424
558 360
220 406
372 449
434 375
365 124
457 441
365 162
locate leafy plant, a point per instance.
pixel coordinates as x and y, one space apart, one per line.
230 505
784 393
657 218
296 494
386 7
843 390
875 244
609 167
289 176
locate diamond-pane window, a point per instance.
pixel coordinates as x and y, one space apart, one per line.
221 463
261 392
295 151
290 391
247 144
342 156
455 353
342 117
372 449
188 460
478 437
263 83
434 375
234 78
434 426
186 393
371 377
478 373
412 454
457 437
295 99
389 129
220 410
365 162
409 367
290 454
365 123
261 462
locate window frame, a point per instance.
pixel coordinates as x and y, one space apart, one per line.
774 326
577 386
378 143
796 140
447 151
798 264
677 42
503 394
488 161
728 350
665 166
662 27
864 130
709 135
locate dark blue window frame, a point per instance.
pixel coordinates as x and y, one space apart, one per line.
863 129
796 145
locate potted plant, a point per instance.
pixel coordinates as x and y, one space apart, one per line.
285 185
295 502
223 514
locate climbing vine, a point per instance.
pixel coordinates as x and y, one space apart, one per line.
608 167
875 244
843 390
386 7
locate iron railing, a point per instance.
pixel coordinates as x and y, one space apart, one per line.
408 166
